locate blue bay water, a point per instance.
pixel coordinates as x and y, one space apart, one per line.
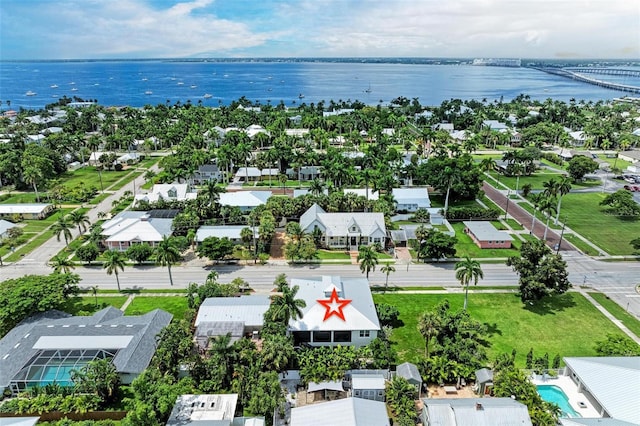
138 83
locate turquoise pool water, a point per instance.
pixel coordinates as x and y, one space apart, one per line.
554 394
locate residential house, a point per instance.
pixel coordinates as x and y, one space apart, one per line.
167 192
128 228
632 156
485 235
232 232
484 381
410 373
254 129
245 200
240 316
47 346
343 412
5 226
354 322
207 173
494 125
578 138
305 173
207 409
411 199
298 133
214 136
248 174
345 230
474 411
26 210
447 127
610 384
337 111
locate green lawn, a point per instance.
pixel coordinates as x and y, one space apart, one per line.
617 311
541 220
514 224
567 325
24 197
333 255
585 216
466 247
86 304
581 245
536 179
177 305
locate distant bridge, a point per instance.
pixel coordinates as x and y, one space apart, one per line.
576 74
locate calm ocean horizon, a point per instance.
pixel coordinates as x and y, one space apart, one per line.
151 82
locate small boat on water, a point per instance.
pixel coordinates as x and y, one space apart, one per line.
54 86
208 96
75 89
180 83
145 79
300 96
193 86
30 93
148 92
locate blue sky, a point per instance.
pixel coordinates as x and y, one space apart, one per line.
94 29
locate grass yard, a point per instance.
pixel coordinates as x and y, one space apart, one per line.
514 224
333 255
541 219
581 245
23 197
585 216
466 247
536 179
86 305
567 325
177 305
617 311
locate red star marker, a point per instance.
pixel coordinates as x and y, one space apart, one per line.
334 306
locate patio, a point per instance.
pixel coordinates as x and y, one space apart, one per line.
570 389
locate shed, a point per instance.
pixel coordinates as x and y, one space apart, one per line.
484 381
368 386
410 373
485 235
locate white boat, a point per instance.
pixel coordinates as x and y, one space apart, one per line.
74 89
30 93
148 92
180 83
54 86
193 86
145 79
300 96
208 95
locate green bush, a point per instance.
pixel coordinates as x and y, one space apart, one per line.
472 213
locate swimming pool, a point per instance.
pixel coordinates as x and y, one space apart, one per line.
554 394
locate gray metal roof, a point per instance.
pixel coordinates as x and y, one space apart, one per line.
362 381
613 381
410 372
343 412
418 196
484 375
246 309
577 421
476 412
20 344
339 224
485 231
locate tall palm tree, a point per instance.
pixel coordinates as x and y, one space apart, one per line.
368 259
429 327
535 200
547 206
114 260
466 271
61 264
317 186
286 306
387 269
62 227
563 189
167 254
80 219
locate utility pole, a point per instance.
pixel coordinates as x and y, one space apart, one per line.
506 210
564 223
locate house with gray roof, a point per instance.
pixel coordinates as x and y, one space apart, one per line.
207 173
345 230
128 228
244 200
167 192
343 412
484 381
241 316
26 210
44 348
232 232
485 235
5 226
338 311
474 411
610 384
411 199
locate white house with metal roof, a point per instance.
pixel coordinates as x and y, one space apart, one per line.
369 194
474 411
232 232
128 228
339 311
244 200
45 347
343 412
5 226
610 384
241 316
345 230
26 210
411 199
167 192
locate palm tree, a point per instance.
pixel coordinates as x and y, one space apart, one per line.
368 259
467 270
80 219
94 291
285 305
387 269
535 200
317 186
429 327
563 189
167 253
61 264
62 227
114 260
547 206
